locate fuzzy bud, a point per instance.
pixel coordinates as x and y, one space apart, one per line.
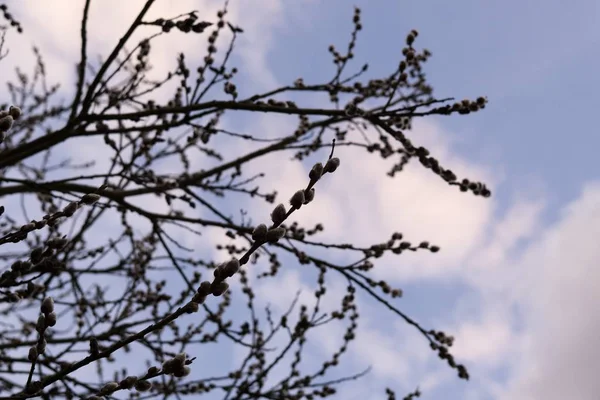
51 319
70 209
109 387
56 243
14 112
191 307
6 123
179 360
259 232
47 305
332 164
275 234
316 172
90 198
309 196
128 382
143 386
218 288
33 354
204 288
218 273
40 326
278 214
231 267
198 298
297 199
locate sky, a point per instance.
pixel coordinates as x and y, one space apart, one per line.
516 281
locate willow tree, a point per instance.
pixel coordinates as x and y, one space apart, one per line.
73 294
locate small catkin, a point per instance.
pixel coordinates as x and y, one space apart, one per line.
297 199
309 196
316 172
332 164
143 386
47 305
259 232
14 112
6 123
275 234
278 214
231 267
218 288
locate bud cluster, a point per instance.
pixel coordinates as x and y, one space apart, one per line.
47 318
7 118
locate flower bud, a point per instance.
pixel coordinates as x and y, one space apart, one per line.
204 288
275 234
47 305
218 288
33 354
51 319
316 172
128 382
332 164
309 196
297 199
40 326
278 214
14 112
70 209
143 386
90 198
231 267
199 298
109 387
259 232
191 307
6 123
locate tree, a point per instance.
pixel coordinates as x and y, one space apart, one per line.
62 247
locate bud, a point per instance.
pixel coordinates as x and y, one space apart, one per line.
143 386
47 305
33 354
275 234
231 267
332 164
297 199
51 319
191 307
40 326
128 382
56 243
109 387
70 209
316 172
6 123
204 288
278 214
14 112
199 298
308 197
259 232
90 198
218 273
218 288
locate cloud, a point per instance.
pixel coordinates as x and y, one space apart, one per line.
560 294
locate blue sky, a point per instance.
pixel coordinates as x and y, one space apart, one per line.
517 270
